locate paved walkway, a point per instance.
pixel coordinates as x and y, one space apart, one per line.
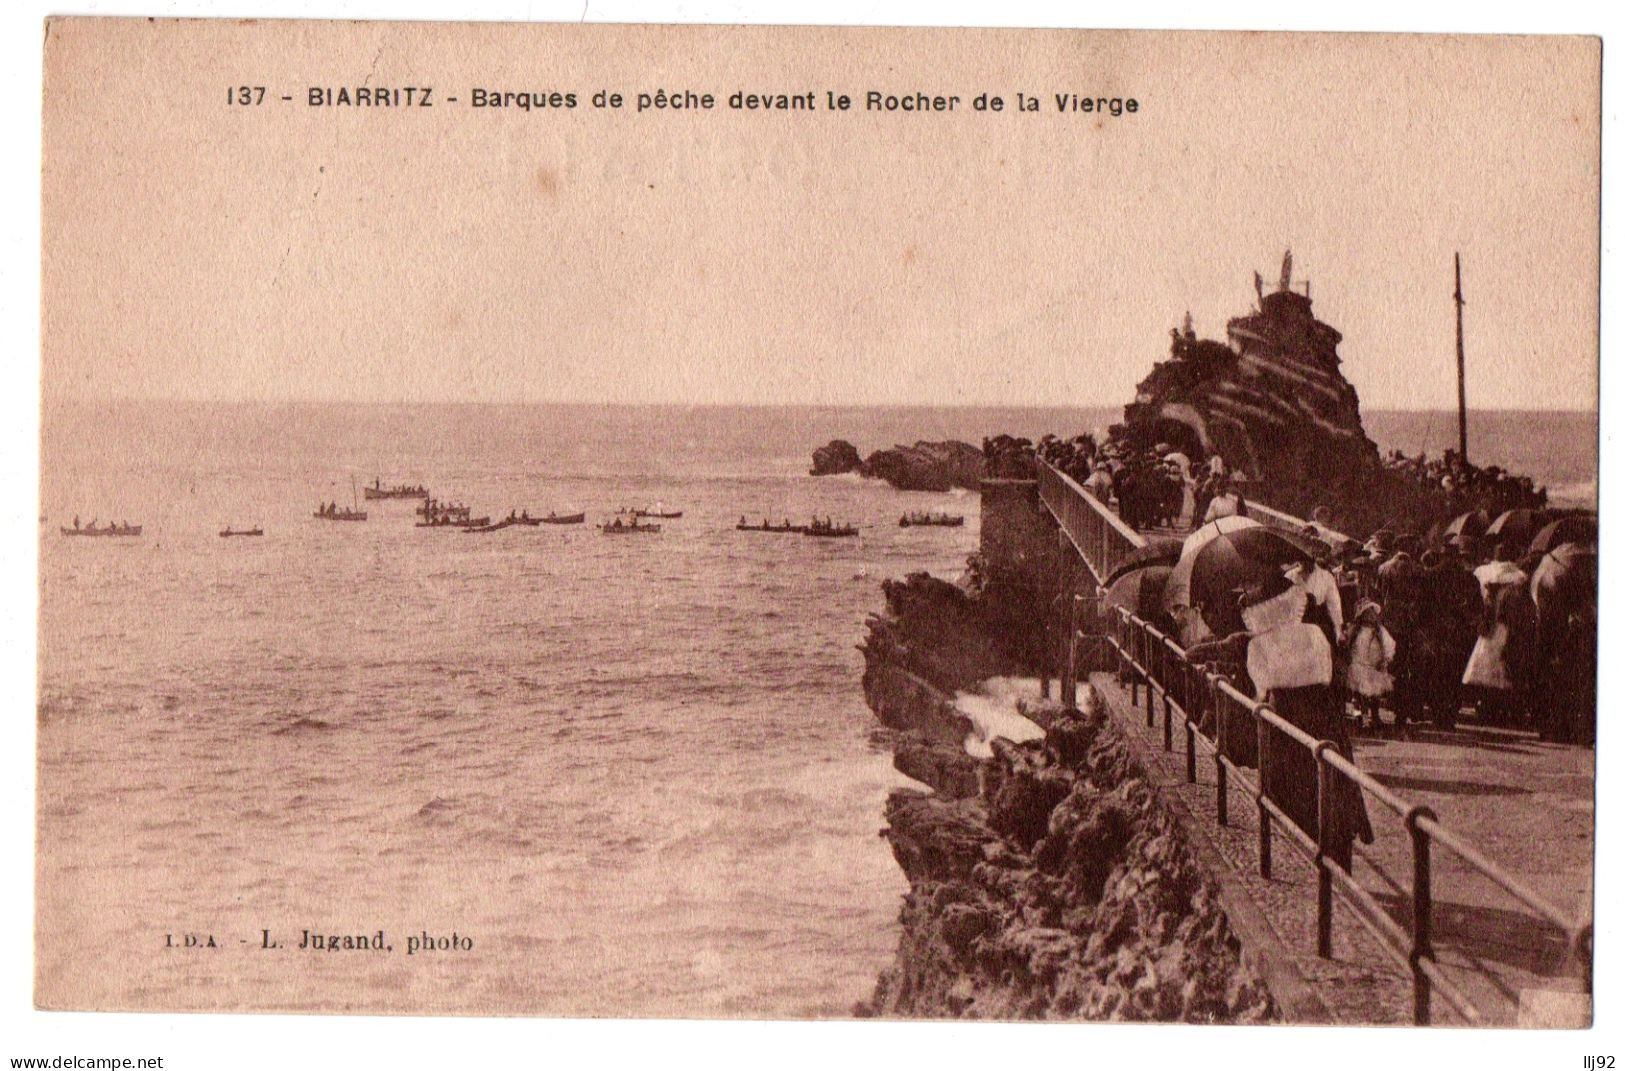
1526 805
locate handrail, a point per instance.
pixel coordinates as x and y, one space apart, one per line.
1101 538
1159 665
1134 640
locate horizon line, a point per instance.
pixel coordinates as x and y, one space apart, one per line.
622 404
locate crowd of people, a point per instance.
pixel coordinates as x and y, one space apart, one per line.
1420 630
1417 626
1463 486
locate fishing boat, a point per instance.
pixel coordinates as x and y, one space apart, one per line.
765 526
400 490
228 531
332 511
433 507
455 522
105 530
931 520
469 529
568 518
339 513
827 530
658 513
615 527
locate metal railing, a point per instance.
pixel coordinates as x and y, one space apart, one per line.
1100 536
1240 733
1236 731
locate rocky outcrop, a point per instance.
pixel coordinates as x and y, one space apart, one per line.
928 466
838 457
1060 890
1273 402
925 466
1046 881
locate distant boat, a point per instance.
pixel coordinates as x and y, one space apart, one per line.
930 520
335 512
400 490
435 508
339 513
506 522
455 522
831 531
568 518
746 526
657 512
617 528
228 531
104 530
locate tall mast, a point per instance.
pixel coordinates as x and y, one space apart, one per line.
1461 370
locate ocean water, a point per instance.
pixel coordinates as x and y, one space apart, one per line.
637 773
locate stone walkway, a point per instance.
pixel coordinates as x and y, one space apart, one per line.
1525 805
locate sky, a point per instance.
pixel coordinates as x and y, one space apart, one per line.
286 252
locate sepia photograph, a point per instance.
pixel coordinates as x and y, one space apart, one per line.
808 523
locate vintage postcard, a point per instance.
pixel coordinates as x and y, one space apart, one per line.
524 506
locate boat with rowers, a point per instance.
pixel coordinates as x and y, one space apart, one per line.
618 527
462 520
433 507
767 526
400 490
228 531
658 513
827 529
332 511
563 518
931 520
91 529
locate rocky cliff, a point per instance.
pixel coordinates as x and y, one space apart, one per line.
925 466
1045 881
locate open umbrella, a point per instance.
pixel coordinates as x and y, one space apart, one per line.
1514 529
1226 563
1157 551
1177 591
1469 525
1575 528
1140 591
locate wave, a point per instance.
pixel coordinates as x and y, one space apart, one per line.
994 711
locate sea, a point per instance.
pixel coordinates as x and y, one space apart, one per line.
576 775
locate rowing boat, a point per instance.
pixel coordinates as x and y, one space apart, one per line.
110 530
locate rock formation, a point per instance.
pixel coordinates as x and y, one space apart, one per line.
1272 400
1046 881
928 466
838 457
925 466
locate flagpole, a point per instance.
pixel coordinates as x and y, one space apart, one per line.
1461 370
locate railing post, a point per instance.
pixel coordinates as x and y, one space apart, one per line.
1264 861
1323 824
1421 914
1167 723
1150 693
1223 776
1191 692
1069 686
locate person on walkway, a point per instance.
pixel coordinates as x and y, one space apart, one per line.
1501 666
1289 662
1371 651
